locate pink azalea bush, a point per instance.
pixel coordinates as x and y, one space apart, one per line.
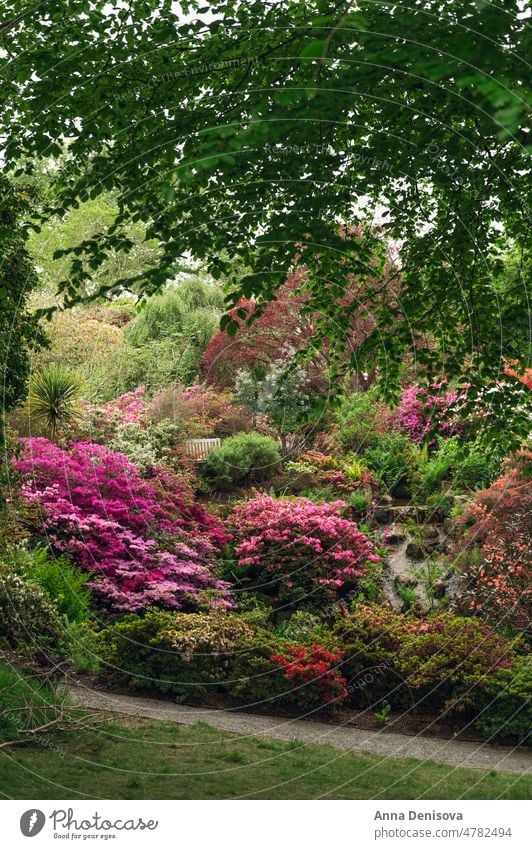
423 410
298 549
129 408
100 423
147 542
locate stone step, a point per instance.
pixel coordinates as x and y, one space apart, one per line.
391 514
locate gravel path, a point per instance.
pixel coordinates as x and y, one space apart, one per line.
387 744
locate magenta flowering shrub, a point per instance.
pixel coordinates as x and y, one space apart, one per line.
147 542
421 411
299 550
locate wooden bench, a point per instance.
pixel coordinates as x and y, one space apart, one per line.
199 449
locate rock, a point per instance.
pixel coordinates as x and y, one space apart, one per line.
429 533
450 525
382 515
440 588
401 513
404 581
395 535
415 551
395 538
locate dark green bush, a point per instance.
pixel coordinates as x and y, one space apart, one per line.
181 653
255 680
63 583
476 469
78 647
193 655
458 466
505 706
242 459
439 663
362 420
359 501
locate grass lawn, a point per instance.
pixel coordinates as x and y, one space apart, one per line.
149 760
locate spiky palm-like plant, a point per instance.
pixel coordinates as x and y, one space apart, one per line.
52 398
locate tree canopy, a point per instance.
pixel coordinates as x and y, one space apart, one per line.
248 135
19 330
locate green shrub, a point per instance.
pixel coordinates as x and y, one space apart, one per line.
457 465
78 647
146 445
439 663
362 420
359 501
303 627
505 706
181 653
175 327
394 460
476 469
436 469
320 494
158 317
242 459
63 583
195 654
199 327
28 619
255 680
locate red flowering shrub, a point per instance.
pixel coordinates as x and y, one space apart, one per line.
287 324
495 553
256 346
147 542
313 670
299 550
423 409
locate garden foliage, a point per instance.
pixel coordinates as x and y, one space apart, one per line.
144 541
297 550
242 459
495 551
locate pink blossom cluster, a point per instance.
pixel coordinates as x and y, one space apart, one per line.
422 411
129 408
297 544
147 542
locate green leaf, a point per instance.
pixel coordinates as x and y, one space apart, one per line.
314 50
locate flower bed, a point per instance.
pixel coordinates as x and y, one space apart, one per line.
299 550
145 541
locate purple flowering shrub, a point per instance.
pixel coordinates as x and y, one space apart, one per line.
299 550
145 541
422 410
